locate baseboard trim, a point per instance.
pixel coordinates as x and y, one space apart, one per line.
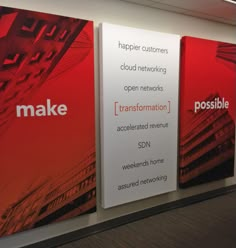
100 227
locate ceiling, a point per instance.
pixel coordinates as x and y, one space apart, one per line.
217 10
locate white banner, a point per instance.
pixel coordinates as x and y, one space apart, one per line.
139 113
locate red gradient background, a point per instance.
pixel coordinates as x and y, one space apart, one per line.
203 74
207 137
33 149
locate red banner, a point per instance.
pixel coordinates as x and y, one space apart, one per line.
207 111
47 127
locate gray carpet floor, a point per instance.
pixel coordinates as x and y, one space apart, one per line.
208 224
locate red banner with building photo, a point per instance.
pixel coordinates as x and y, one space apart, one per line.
47 126
207 111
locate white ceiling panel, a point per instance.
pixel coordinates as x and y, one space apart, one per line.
217 10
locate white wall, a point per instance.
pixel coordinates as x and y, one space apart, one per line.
122 13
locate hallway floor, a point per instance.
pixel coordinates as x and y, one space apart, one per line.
208 224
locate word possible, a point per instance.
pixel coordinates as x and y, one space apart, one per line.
215 104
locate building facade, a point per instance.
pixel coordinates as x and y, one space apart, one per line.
70 194
207 146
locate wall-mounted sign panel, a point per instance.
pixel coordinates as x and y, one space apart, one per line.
47 131
139 113
207 116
